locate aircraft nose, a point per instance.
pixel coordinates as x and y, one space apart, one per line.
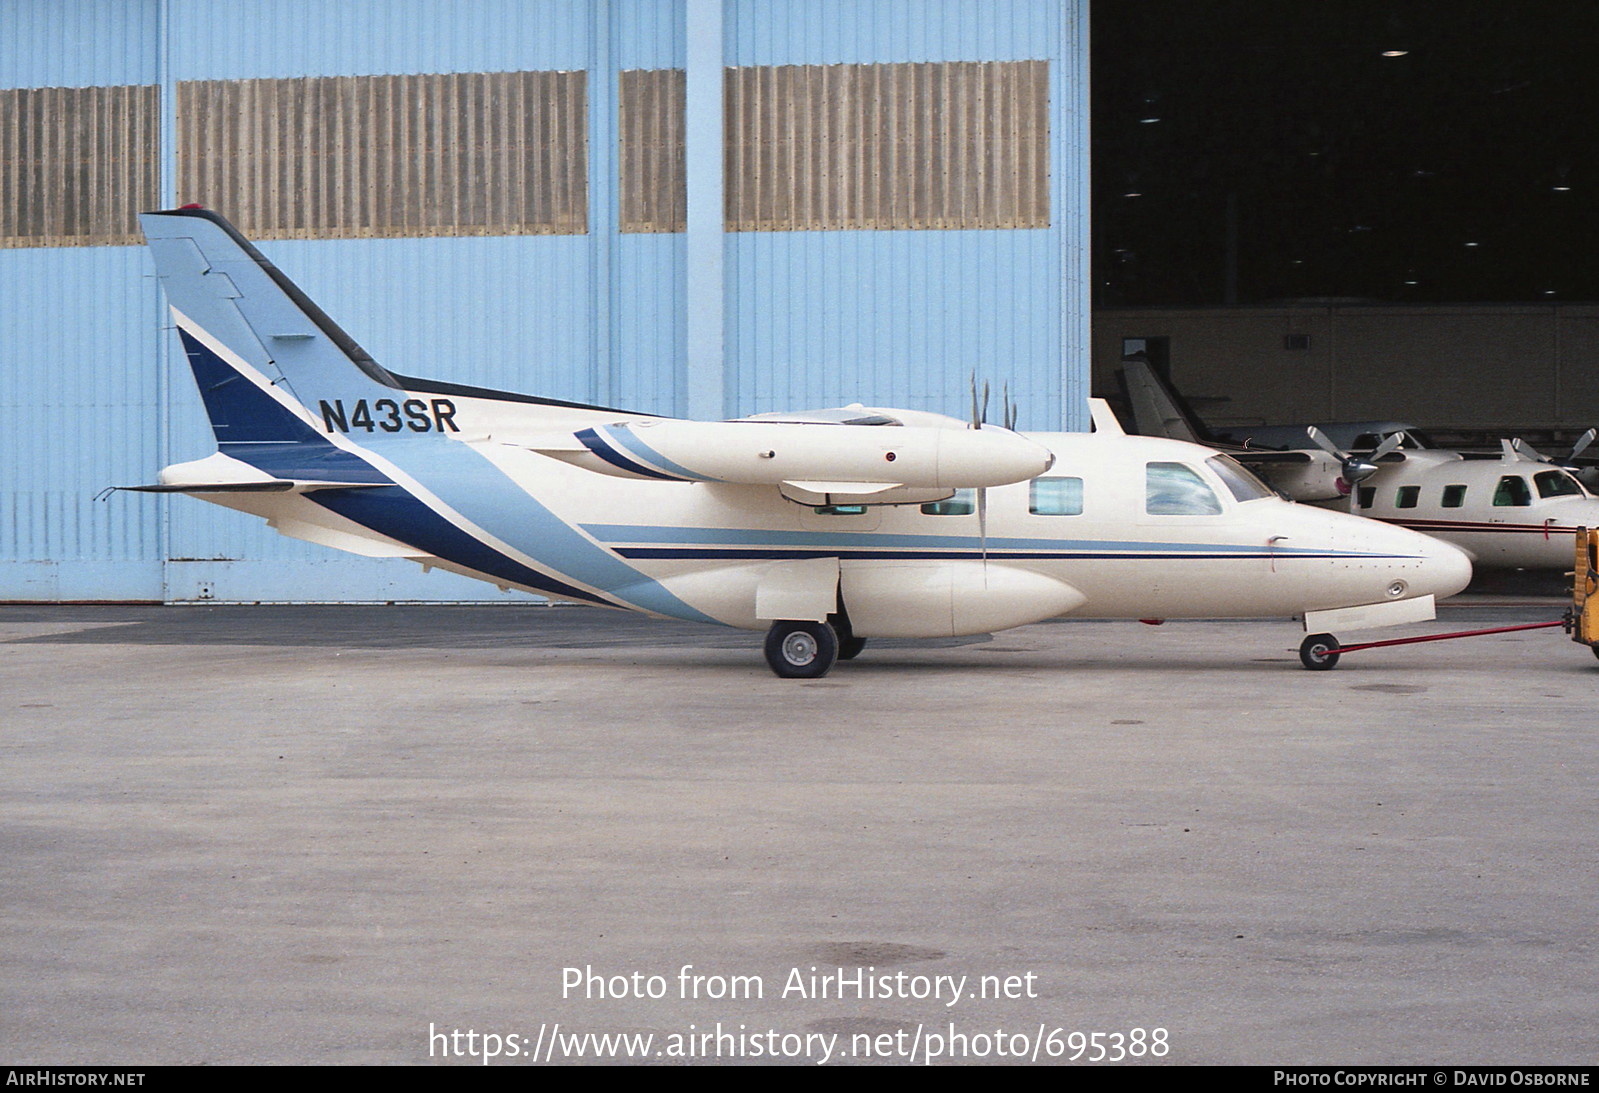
1445 570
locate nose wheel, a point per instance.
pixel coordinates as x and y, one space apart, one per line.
1319 652
801 650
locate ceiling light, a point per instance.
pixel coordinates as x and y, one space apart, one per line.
1395 52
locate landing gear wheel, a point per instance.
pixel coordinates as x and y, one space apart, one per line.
801 650
1319 652
849 648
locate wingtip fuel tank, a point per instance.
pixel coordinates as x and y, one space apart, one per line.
769 453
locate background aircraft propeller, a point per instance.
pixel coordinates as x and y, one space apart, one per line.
1356 468
1569 462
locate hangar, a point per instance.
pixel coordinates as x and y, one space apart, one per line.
687 207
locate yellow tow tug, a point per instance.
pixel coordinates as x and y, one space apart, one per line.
1582 620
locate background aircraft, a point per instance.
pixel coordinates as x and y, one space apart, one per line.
824 528
1513 510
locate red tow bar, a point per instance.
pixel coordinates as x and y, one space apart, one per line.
1443 637
1319 652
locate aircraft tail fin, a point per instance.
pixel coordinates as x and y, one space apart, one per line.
240 318
1157 408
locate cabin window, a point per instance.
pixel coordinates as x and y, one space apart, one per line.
1055 497
1557 484
1407 497
1366 495
841 510
964 503
1175 489
1454 496
1512 491
1237 478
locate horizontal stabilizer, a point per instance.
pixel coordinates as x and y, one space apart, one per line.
274 485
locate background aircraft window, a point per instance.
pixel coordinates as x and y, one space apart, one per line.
1367 495
1513 490
964 503
1407 497
1557 484
841 510
1454 496
1055 497
1175 489
1237 478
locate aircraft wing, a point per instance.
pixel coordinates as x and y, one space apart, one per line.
1253 456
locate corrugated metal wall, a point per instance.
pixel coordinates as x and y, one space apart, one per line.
492 193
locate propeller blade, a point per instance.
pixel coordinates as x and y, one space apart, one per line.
1393 441
1319 438
977 415
1527 452
1583 442
1356 469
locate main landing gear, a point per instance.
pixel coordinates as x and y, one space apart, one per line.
801 650
808 650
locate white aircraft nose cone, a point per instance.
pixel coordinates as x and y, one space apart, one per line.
1446 570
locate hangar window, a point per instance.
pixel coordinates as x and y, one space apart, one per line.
76 164
1557 484
325 157
1454 496
1176 489
964 503
1407 497
1055 497
650 113
1512 491
944 145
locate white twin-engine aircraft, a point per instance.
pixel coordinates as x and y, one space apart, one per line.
824 529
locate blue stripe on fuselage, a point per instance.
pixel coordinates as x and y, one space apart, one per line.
971 553
833 541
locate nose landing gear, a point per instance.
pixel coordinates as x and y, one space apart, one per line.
1319 652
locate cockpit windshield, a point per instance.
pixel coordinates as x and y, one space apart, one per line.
1239 479
1557 484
